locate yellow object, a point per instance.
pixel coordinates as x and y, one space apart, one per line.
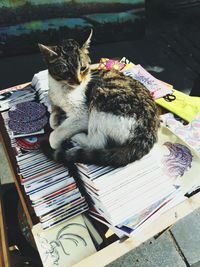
185 106
109 233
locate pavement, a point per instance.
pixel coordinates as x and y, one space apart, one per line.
177 247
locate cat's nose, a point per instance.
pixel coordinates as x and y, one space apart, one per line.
78 80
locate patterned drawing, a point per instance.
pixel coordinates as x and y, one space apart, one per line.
52 248
178 161
64 244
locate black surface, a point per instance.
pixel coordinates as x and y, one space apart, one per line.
25 255
172 42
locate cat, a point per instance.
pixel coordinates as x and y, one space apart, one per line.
111 117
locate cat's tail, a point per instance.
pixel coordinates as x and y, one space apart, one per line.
116 156
56 155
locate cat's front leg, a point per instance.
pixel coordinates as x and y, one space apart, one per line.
84 140
54 119
66 130
57 137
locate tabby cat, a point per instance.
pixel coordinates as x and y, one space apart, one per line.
110 116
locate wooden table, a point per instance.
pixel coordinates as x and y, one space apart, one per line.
107 254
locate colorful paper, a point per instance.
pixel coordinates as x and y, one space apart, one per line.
109 64
190 133
157 88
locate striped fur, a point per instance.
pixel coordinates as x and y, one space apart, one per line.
111 117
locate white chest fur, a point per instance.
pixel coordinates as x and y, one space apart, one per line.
71 101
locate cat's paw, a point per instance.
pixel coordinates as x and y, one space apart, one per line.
67 144
54 120
54 140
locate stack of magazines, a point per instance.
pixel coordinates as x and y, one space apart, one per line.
54 195
40 83
15 95
125 198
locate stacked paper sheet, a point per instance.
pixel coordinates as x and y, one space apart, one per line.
126 198
40 83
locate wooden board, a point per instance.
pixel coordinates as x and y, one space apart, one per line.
4 252
12 164
164 221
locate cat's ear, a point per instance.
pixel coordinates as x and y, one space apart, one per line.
47 51
86 45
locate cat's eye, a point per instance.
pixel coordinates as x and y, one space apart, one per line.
83 68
